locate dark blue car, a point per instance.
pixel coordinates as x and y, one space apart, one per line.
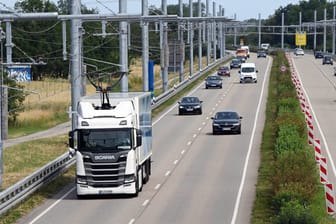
213 81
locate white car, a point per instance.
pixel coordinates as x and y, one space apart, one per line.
298 51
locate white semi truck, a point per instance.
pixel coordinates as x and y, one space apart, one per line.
112 143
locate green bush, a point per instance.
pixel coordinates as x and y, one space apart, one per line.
295 119
288 139
293 212
286 194
296 170
288 105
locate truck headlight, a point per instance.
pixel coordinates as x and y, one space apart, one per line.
82 180
129 178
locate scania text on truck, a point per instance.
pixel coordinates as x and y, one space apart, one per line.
112 143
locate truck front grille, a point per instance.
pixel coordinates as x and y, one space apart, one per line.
105 174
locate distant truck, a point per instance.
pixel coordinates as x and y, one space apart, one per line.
248 73
241 53
247 50
265 46
112 143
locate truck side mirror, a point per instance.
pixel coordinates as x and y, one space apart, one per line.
72 150
138 138
71 139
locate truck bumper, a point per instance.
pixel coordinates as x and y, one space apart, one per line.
123 189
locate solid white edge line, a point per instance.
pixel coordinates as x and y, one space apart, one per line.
242 182
51 206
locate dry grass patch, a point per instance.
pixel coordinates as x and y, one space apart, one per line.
23 159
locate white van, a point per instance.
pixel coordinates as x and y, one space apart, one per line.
248 73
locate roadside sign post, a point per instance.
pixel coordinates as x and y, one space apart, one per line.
283 68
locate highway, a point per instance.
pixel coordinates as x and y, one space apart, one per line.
196 177
319 85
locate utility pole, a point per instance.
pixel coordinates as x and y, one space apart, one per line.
191 40
208 32
214 33
315 17
145 47
259 30
333 32
282 30
224 33
325 31
164 48
199 38
220 38
235 32
123 48
76 77
181 48
2 100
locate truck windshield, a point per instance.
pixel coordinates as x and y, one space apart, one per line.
104 139
248 69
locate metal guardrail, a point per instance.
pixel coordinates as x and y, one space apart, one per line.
22 189
19 191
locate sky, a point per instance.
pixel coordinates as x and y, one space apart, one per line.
242 9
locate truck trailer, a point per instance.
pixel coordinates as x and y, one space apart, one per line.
112 143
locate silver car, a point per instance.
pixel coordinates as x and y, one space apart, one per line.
298 51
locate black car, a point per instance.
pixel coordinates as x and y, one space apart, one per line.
235 63
327 59
318 54
242 59
190 105
213 81
226 121
261 54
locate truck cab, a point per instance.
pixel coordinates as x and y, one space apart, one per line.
112 143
